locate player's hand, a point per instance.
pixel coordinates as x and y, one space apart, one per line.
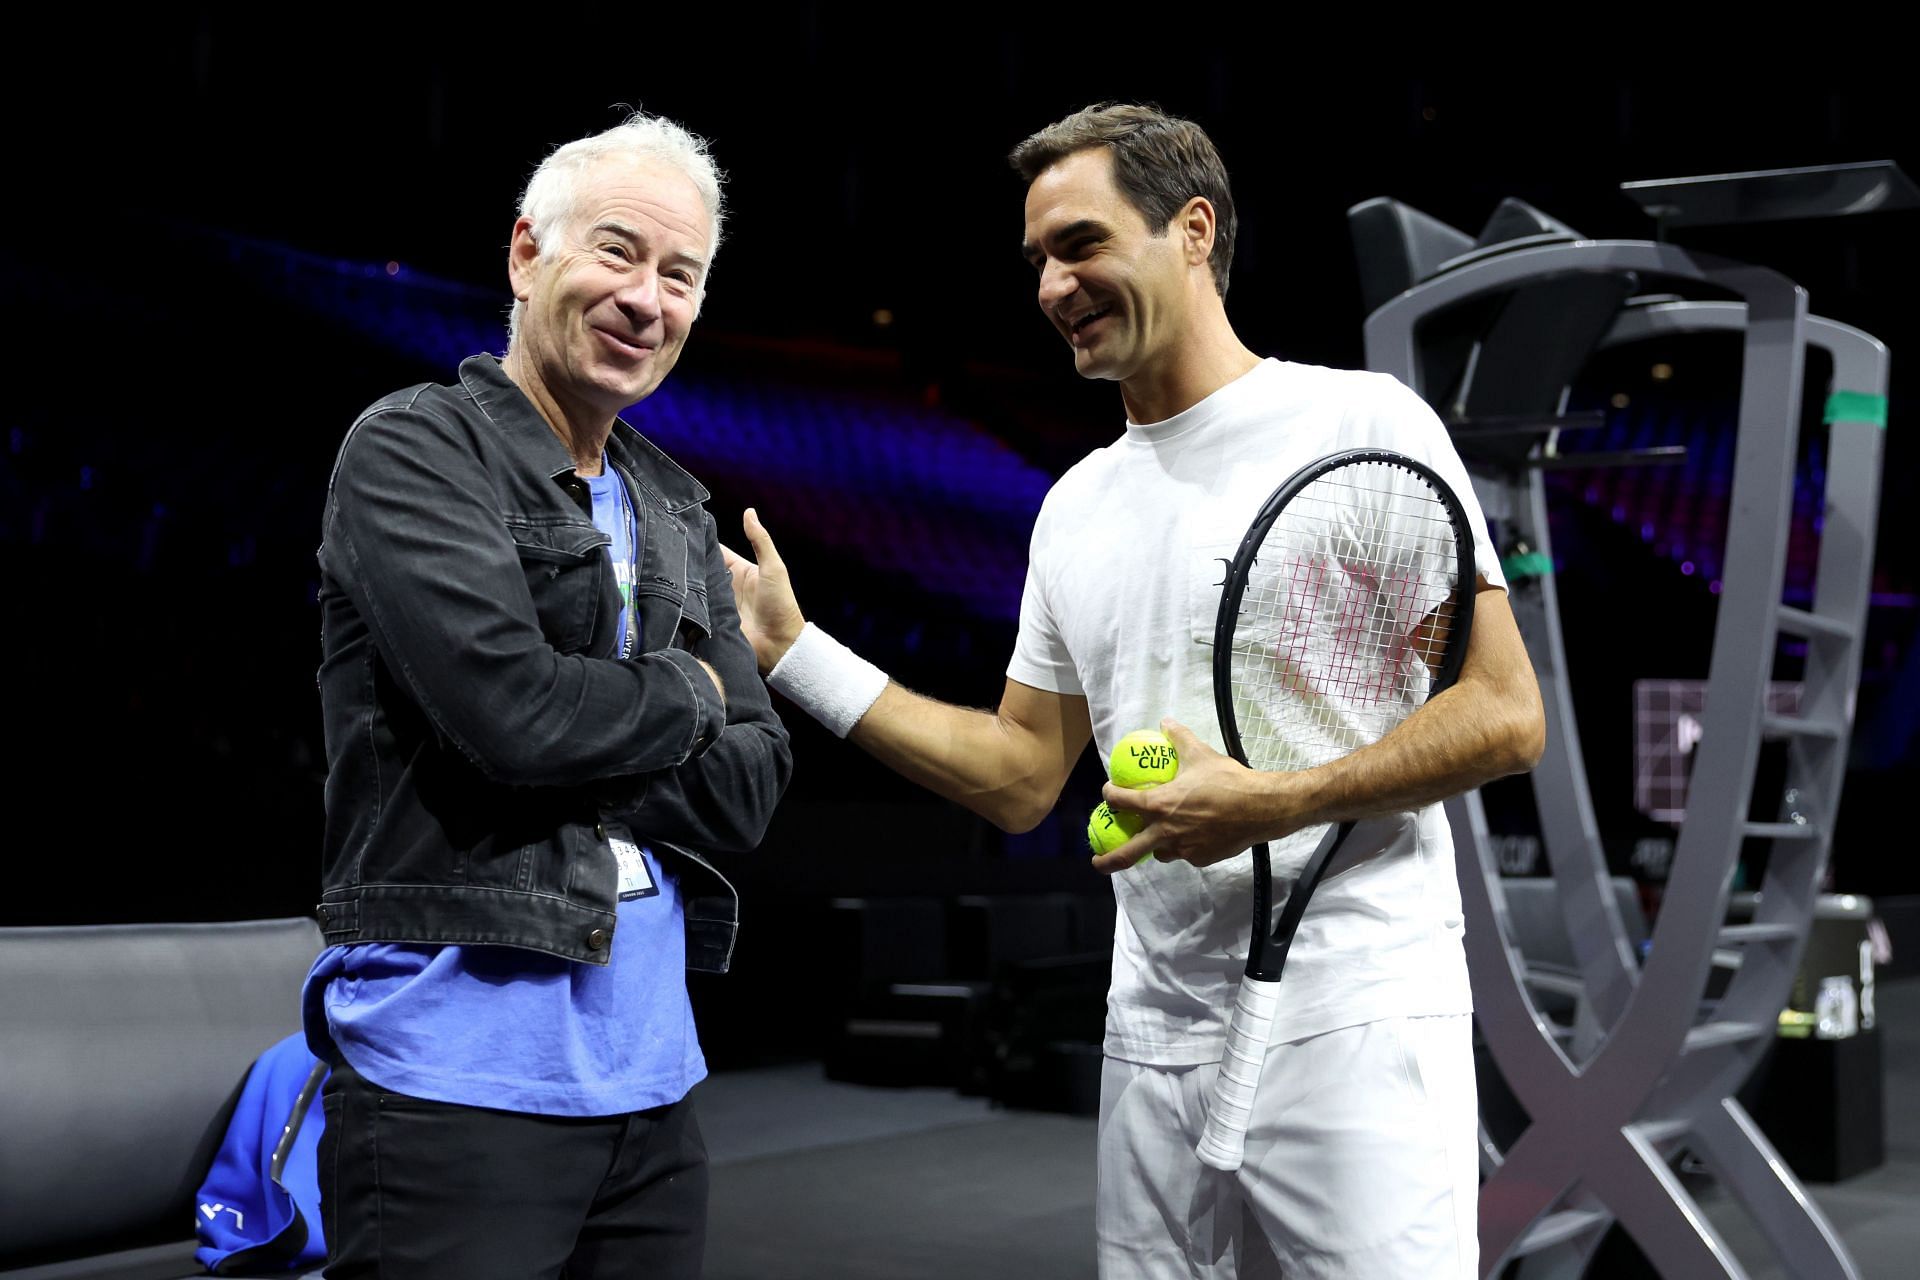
1213 809
769 615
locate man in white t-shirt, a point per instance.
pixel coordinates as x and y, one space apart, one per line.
1361 1156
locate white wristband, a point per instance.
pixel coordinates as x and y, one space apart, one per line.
827 680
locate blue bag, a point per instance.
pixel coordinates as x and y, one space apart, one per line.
259 1208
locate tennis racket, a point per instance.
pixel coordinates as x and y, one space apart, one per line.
1347 605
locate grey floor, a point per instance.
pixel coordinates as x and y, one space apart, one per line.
814 1180
1877 1213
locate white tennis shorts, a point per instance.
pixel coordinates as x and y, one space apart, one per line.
1361 1163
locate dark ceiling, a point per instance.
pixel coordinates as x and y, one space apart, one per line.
867 154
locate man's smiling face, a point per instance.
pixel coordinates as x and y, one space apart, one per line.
612 294
1116 289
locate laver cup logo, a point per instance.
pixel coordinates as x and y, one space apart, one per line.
1152 758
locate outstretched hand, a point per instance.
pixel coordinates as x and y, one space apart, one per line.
1213 808
769 615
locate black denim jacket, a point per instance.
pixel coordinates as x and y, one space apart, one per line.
482 731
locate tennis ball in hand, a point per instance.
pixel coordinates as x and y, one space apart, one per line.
1107 830
1144 758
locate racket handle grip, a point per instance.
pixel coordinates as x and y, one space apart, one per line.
1224 1140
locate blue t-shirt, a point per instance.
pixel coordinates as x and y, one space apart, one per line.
519 1030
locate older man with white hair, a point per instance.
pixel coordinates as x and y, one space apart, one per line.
542 725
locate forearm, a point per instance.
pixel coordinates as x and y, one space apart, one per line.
1488 725
723 799
720 802
1463 739
977 759
1006 765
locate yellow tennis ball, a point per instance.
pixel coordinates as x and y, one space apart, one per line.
1144 758
1107 830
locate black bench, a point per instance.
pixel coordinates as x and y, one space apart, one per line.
121 1050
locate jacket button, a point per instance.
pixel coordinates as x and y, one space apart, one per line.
321 916
600 830
599 939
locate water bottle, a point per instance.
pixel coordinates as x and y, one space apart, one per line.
1836 1012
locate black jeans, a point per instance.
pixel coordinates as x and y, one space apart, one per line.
419 1190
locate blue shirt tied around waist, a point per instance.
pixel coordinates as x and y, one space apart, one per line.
519 1030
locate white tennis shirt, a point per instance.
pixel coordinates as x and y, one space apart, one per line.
1123 585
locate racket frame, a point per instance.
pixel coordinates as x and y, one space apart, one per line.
1223 1142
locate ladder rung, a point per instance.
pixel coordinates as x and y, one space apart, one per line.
1798 727
1524 424
1799 622
1659 1131
1781 830
1555 982
1664 455
1714 1034
1737 933
1558 1228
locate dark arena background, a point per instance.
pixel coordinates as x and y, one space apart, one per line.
225 240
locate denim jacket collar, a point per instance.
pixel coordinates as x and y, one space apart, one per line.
508 408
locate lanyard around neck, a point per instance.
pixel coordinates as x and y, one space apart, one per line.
608 467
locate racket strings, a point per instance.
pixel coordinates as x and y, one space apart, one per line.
1346 613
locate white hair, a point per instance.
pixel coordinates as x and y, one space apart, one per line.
552 196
